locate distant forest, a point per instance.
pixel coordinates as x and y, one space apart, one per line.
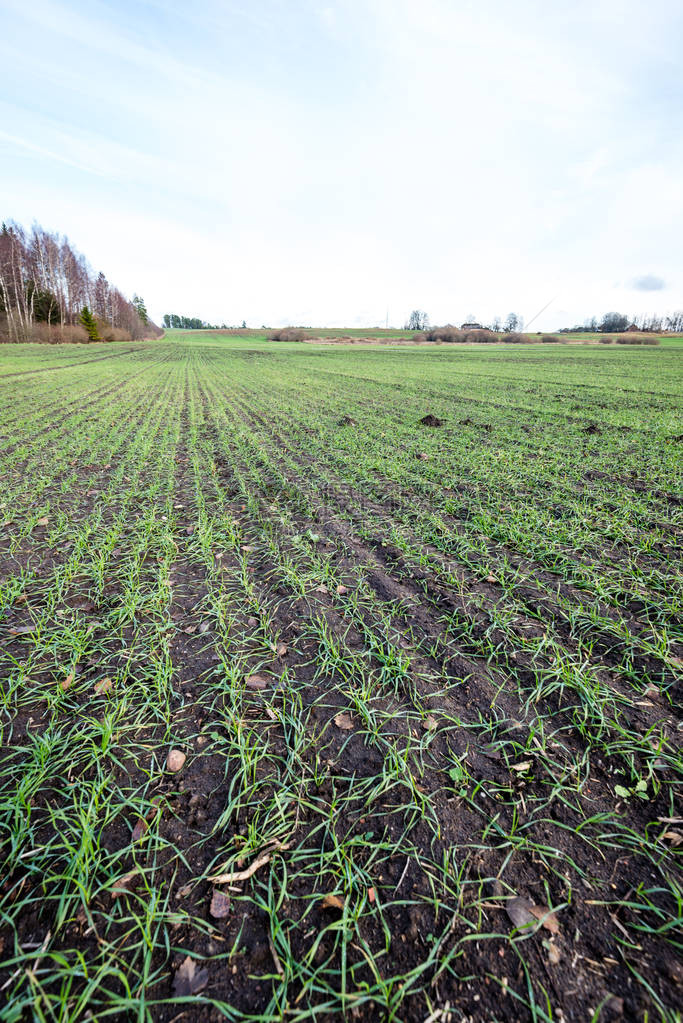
174 322
49 292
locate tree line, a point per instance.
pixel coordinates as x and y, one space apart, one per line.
610 323
418 320
174 322
48 291
615 323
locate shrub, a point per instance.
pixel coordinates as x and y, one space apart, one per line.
551 339
479 336
109 333
69 335
287 334
515 338
447 333
605 340
637 339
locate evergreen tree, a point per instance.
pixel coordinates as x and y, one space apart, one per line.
141 309
90 324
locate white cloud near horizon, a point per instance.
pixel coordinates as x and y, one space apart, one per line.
329 162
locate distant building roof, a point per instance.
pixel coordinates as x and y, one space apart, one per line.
471 326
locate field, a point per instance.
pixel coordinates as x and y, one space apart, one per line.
312 711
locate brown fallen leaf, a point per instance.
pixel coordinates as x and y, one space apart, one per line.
343 721
140 829
651 693
66 682
371 895
256 682
204 627
189 531
103 686
22 630
520 912
124 884
341 589
220 904
322 588
190 630
43 521
429 723
270 713
675 837
175 760
281 650
333 902
188 980
521 767
554 954
491 579
547 918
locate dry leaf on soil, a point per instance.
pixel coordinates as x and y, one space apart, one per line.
521 912
175 760
43 522
547 918
429 723
281 650
66 682
188 980
554 954
139 830
341 589
103 686
204 627
333 902
256 682
322 588
343 721
220 904
124 884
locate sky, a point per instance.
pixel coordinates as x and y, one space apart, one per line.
342 163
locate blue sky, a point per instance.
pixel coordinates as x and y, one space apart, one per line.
292 161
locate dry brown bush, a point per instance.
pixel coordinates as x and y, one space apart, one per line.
447 333
637 339
480 336
515 338
109 333
75 335
551 339
287 334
